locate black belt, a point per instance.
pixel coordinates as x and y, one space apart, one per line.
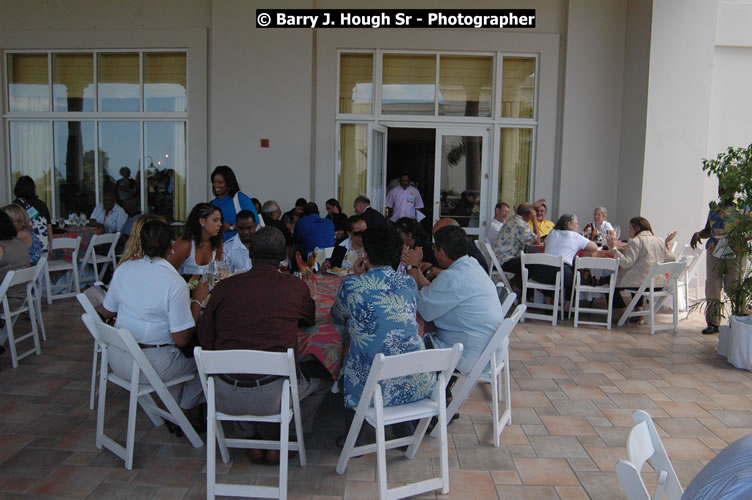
153 346
249 383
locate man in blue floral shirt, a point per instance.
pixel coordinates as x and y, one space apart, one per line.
514 236
378 308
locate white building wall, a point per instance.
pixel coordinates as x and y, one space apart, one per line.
261 87
591 130
674 189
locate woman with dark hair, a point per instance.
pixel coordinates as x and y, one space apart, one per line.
413 236
153 302
13 252
201 242
636 259
378 307
36 209
334 213
564 240
229 199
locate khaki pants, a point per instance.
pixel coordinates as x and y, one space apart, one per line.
721 274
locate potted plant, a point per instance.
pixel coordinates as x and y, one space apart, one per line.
733 168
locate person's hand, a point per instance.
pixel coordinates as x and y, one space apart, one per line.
325 266
611 239
695 240
201 291
414 257
226 227
433 272
538 203
670 237
360 266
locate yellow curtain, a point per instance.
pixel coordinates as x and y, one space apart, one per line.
355 70
353 151
518 87
514 165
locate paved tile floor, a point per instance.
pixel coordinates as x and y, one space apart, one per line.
573 394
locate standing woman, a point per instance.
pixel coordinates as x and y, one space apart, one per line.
201 241
229 199
36 209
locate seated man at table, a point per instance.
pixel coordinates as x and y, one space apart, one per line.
313 231
237 247
108 214
378 308
261 310
462 301
472 249
514 236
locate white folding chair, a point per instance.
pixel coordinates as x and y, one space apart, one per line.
644 444
371 409
655 298
28 304
495 270
493 359
689 277
557 288
92 258
62 265
611 266
212 363
89 300
110 338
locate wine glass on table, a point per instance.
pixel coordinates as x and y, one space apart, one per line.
617 232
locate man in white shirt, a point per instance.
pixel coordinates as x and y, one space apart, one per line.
500 215
462 301
403 200
237 247
109 214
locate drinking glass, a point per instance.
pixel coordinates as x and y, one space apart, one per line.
617 232
352 257
320 256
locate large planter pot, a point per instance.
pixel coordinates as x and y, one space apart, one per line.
740 342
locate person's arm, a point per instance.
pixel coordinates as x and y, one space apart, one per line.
308 308
25 236
182 251
700 235
591 246
669 239
629 255
413 258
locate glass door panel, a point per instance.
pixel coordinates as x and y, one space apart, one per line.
460 186
377 167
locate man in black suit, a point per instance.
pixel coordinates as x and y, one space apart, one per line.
373 218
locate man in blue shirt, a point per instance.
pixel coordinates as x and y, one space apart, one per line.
462 301
313 231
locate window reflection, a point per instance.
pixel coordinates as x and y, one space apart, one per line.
461 165
356 83
118 82
409 84
165 169
518 87
30 152
73 82
165 82
28 84
119 147
74 167
465 85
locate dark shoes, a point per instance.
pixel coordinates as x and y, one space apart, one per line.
711 329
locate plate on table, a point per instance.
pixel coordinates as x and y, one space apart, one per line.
339 271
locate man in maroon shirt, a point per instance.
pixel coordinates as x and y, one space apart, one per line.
263 310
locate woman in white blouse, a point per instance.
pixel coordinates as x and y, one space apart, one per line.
154 303
599 229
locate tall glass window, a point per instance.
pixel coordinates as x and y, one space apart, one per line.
409 84
465 85
356 84
515 165
73 162
518 87
353 158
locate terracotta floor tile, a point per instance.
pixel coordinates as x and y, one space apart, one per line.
568 426
688 410
72 481
679 448
583 392
606 458
547 372
470 485
527 492
505 477
545 472
527 399
571 493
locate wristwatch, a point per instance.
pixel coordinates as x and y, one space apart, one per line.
232 227
410 267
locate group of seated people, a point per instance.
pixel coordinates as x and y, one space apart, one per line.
528 227
264 309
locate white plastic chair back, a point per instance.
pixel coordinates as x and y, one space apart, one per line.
689 277
30 303
90 300
212 363
557 288
644 444
92 258
371 409
73 285
655 298
492 360
611 266
494 269
140 389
